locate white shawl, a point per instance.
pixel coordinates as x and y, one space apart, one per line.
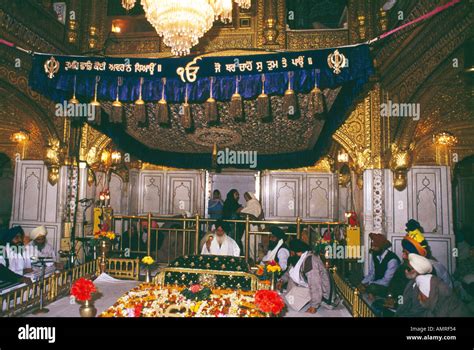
295 271
271 254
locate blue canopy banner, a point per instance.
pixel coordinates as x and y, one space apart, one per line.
349 68
54 75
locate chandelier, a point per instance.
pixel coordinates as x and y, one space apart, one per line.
182 23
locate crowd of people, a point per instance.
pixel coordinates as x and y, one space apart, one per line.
413 285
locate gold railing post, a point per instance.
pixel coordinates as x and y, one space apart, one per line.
184 237
298 227
355 305
196 238
247 238
148 244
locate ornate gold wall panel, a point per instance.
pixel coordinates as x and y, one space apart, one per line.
315 39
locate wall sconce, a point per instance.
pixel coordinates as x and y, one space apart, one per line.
105 158
116 157
115 27
443 142
342 157
21 138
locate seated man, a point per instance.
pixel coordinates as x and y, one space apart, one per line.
400 281
277 248
40 248
220 243
409 306
438 299
382 267
13 257
309 273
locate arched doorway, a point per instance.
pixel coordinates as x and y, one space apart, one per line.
6 190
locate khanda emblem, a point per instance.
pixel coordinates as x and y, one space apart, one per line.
336 61
51 67
188 74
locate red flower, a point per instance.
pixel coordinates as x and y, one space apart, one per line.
272 263
269 301
138 310
195 288
82 289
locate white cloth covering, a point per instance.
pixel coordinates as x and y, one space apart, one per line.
423 283
282 254
252 206
420 264
228 247
295 271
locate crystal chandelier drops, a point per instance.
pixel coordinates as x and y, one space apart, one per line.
222 10
182 23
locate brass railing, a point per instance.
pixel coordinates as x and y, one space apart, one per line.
23 299
352 297
128 269
186 233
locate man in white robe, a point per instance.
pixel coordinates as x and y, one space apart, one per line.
220 243
40 248
14 254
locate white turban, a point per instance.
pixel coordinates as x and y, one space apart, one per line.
423 283
420 264
38 231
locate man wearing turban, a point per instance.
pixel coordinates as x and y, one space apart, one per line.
382 267
437 299
309 283
13 260
39 246
277 248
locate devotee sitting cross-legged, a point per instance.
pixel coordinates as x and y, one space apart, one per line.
308 280
382 267
220 243
437 299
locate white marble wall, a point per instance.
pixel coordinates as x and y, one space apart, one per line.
170 192
35 201
310 196
426 199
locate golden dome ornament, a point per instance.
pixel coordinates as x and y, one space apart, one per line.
211 107
264 110
236 110
139 108
290 101
96 107
185 111
116 115
162 108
